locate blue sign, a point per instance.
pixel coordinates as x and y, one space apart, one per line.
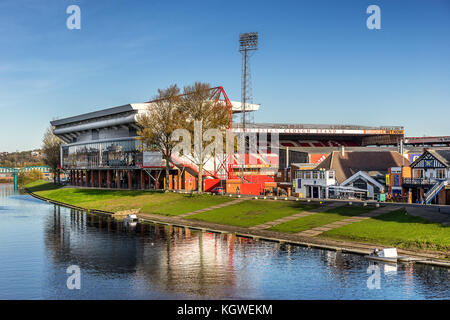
397 180
413 156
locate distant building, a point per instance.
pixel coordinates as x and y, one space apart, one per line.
364 181
363 170
313 183
430 177
394 183
101 150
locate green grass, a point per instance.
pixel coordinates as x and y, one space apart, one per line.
391 229
119 200
320 219
252 212
396 229
41 185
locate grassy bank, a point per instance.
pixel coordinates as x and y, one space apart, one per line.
320 219
41 185
118 200
390 229
396 229
253 212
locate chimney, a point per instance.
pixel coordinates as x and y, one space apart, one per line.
342 151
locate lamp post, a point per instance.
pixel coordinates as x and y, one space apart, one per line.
248 43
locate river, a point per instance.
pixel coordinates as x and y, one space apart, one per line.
39 241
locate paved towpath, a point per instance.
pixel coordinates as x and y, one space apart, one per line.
371 214
296 216
432 214
225 204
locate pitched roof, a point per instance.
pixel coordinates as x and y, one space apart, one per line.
443 155
353 161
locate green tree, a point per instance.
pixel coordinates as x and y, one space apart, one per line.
51 149
162 117
199 108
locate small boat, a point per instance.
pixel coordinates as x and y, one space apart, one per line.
384 255
381 259
131 220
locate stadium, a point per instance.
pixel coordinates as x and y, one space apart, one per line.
100 149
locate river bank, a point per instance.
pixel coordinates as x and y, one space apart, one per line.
40 240
412 235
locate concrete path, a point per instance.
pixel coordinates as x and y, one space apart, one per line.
318 230
296 216
225 204
436 215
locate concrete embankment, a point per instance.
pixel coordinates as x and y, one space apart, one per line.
419 256
425 257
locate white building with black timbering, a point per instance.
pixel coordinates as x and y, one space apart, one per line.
430 181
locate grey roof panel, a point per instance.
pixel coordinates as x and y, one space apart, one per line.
92 115
442 155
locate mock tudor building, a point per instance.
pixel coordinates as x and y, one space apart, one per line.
430 177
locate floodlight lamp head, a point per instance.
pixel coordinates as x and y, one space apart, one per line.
248 41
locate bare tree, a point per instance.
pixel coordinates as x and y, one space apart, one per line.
51 149
162 118
201 115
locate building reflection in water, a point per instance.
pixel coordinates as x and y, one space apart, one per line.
170 258
6 190
192 263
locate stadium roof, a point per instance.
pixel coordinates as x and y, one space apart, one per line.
315 126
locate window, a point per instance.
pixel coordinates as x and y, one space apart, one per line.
299 174
331 174
121 153
418 173
440 174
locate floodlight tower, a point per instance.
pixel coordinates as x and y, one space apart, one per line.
248 43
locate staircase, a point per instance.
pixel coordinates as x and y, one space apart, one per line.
191 167
433 192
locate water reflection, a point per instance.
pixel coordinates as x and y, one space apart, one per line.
6 190
155 262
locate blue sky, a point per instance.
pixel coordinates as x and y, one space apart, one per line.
317 62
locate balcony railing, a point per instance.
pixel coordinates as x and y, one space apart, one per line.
422 181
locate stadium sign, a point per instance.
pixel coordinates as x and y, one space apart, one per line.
317 131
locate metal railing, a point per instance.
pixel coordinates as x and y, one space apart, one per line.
432 193
422 181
